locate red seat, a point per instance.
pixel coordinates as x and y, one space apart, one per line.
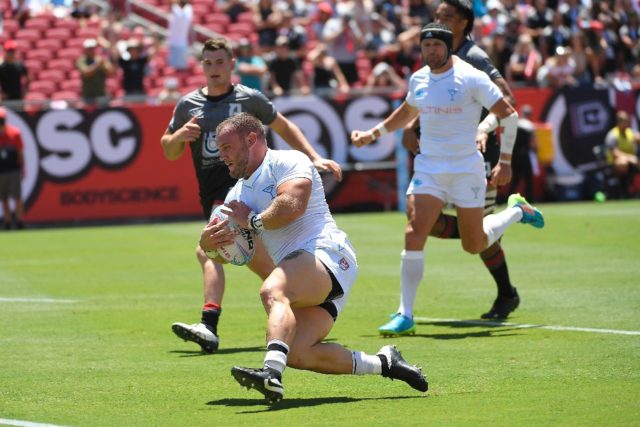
69 24
29 34
87 32
10 26
218 18
52 75
58 33
52 44
37 23
245 28
75 42
245 17
43 86
70 53
71 85
64 95
35 96
39 54
64 65
24 45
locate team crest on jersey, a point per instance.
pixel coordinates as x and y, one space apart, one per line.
234 109
453 92
197 112
344 264
421 92
209 145
269 191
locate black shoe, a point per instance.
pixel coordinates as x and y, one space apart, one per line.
19 225
396 368
266 381
199 334
502 307
7 226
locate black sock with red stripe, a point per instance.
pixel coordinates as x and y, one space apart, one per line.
494 260
210 316
446 227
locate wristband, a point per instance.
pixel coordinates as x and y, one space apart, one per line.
255 221
382 130
505 161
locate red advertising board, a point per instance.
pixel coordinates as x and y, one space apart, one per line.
107 164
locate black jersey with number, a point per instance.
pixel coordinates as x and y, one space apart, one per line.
474 55
213 175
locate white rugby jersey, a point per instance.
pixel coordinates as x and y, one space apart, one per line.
450 105
259 190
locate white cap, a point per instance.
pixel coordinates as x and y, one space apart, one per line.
89 43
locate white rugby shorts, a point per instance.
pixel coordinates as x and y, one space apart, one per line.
464 190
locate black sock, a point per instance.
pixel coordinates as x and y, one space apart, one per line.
494 260
446 227
210 319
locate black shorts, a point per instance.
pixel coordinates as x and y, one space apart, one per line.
336 292
214 189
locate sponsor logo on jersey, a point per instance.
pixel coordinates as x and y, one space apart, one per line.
344 264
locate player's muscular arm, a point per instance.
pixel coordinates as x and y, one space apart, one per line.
173 144
289 204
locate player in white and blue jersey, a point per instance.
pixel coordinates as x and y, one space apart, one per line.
279 194
448 95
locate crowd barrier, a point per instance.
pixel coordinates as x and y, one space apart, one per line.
106 164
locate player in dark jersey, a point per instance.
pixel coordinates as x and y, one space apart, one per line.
458 15
194 121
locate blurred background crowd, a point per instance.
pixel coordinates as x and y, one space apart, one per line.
95 51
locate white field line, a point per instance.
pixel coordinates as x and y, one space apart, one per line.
42 300
524 326
20 423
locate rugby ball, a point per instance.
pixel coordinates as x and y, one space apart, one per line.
242 249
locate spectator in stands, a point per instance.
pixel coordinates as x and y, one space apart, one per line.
581 58
323 15
384 77
179 33
295 33
14 77
250 67
94 70
81 9
362 11
561 69
553 36
495 19
622 143
418 13
11 170
21 10
267 19
524 62
630 38
233 8
285 71
539 17
409 57
391 11
170 93
327 75
134 66
499 51
380 39
343 38
524 152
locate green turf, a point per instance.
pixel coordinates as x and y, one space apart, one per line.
110 358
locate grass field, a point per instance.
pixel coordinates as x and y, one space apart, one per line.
85 336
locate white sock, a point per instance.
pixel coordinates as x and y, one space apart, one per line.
411 272
496 224
364 364
276 357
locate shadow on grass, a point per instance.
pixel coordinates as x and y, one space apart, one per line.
195 353
299 402
495 329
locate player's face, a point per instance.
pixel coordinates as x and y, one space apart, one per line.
234 152
449 16
434 53
217 66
